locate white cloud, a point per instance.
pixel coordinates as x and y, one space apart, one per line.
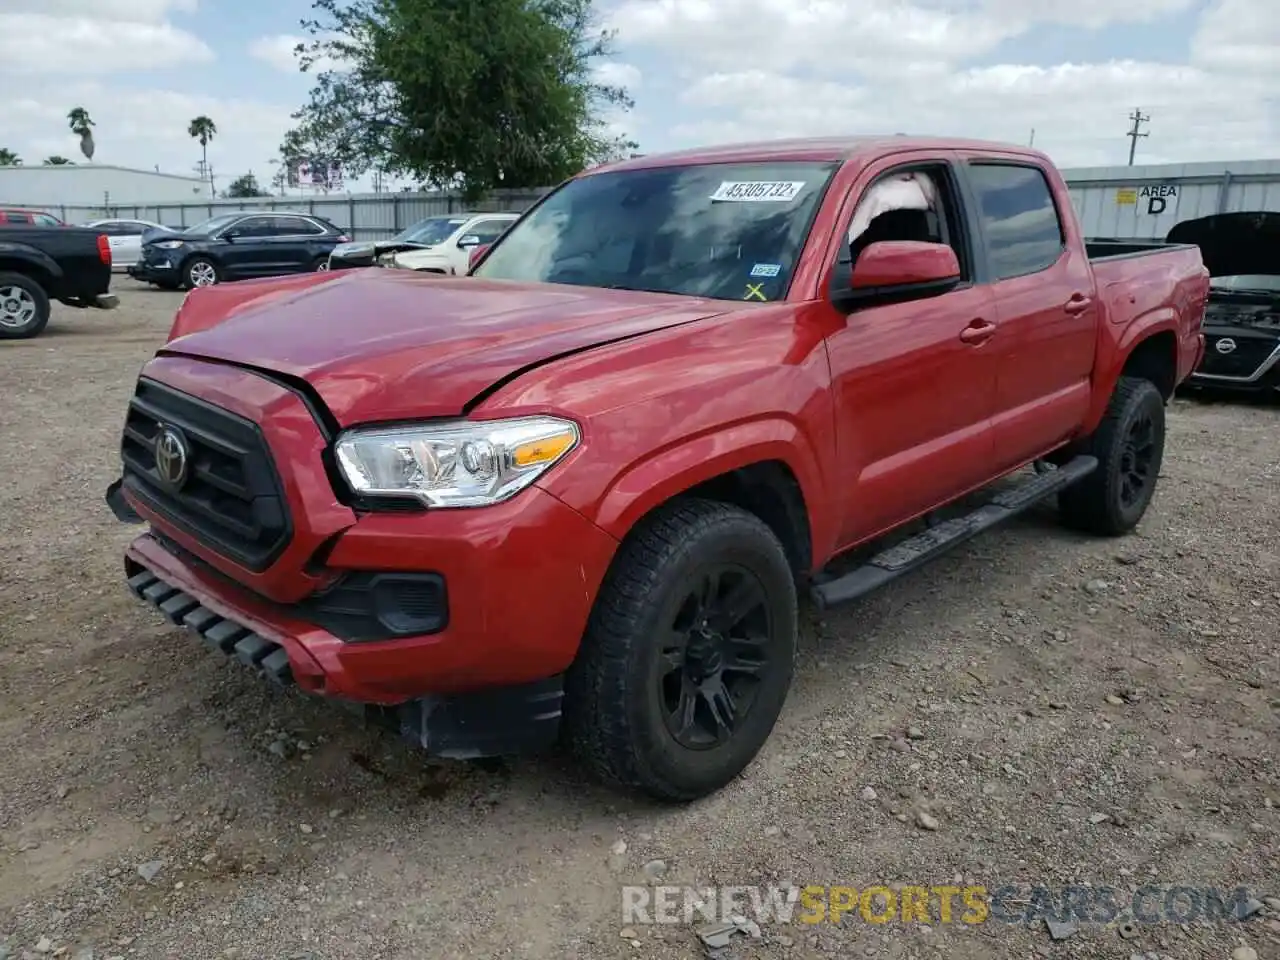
113 11
146 128
279 49
614 73
758 69
57 45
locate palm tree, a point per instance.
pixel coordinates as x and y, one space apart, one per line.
81 126
56 161
203 129
8 158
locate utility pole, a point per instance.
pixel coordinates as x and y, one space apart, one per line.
1138 120
1032 141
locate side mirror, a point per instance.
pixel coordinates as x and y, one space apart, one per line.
476 254
230 235
470 240
904 268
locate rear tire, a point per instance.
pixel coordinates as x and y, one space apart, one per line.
1129 445
320 265
24 307
688 654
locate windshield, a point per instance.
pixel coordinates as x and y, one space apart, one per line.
1247 281
430 231
724 231
214 223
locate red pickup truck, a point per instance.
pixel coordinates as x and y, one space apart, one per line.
580 490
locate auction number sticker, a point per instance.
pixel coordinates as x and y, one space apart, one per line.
759 191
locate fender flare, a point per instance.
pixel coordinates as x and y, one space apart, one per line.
1139 330
683 465
26 253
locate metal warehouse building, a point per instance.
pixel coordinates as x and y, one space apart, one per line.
94 185
1144 202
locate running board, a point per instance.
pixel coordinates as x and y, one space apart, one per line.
916 551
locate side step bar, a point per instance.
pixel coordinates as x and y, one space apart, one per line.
929 544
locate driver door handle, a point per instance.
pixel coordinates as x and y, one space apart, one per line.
978 331
1078 303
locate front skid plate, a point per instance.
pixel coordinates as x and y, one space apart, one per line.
487 723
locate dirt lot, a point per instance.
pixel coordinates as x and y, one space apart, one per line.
1049 679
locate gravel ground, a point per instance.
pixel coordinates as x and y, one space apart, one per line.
1014 693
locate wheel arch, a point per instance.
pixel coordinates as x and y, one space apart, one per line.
764 467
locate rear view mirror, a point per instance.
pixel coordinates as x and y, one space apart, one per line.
904 263
476 254
892 271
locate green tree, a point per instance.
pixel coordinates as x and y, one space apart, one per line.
469 93
245 186
204 130
56 161
82 126
8 158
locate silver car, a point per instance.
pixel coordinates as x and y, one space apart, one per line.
125 238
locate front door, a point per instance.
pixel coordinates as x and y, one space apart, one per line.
914 388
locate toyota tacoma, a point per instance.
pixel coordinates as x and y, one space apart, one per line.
580 491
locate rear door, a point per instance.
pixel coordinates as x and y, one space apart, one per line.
294 244
914 390
1045 306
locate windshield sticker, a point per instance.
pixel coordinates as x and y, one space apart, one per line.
754 292
766 270
758 191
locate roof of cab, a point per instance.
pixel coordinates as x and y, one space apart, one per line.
814 149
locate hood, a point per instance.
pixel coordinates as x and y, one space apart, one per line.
1234 244
383 345
366 252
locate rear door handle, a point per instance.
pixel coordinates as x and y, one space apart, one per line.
979 331
1078 303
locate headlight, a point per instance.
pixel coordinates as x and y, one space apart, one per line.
461 464
168 244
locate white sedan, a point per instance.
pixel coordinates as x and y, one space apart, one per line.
125 238
449 241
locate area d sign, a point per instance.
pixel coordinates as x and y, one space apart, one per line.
1157 197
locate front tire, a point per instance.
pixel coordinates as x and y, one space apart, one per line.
688 654
24 307
200 272
320 265
1129 445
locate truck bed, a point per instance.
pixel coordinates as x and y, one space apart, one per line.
1108 249
1136 280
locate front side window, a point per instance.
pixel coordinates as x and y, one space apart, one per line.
723 231
489 230
431 231
1019 218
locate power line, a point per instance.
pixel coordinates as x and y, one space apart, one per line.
1138 120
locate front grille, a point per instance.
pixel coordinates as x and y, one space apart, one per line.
231 499
1250 353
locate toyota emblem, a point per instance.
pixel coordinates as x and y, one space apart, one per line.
1225 345
172 456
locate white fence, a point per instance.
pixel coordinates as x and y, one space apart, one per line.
368 216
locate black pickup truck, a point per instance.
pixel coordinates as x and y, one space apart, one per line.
42 264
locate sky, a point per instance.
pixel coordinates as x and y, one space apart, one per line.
1206 72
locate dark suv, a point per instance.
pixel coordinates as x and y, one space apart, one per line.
237 246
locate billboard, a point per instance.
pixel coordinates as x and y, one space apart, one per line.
317 173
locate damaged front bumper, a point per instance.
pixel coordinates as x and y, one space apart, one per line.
487 723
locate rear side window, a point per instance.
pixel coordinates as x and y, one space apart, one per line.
1019 219
16 218
294 227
